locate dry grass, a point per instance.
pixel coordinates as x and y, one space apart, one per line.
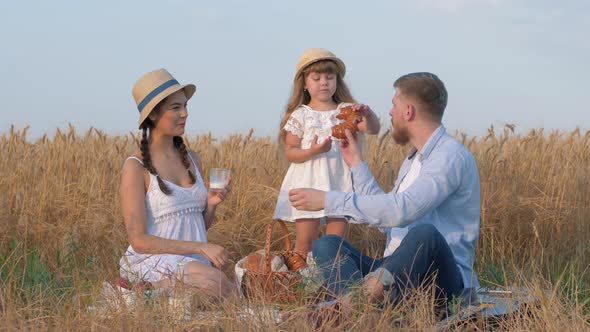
61 232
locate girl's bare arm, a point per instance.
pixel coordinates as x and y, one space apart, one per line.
296 154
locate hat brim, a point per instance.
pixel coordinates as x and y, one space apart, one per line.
189 91
338 62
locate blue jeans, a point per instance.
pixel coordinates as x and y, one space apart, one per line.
423 256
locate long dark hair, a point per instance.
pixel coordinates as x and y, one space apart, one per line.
146 127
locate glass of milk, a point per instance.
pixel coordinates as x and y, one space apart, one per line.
218 178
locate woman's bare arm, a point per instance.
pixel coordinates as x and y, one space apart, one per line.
133 190
209 213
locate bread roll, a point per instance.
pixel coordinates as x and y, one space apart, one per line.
255 262
351 120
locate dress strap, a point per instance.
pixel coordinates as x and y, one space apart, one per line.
196 168
192 161
134 157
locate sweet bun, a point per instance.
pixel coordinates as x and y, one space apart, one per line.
351 120
255 262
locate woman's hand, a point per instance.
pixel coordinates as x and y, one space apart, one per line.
214 197
216 254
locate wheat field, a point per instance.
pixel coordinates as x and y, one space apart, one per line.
61 230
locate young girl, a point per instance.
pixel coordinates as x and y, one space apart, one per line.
319 92
166 207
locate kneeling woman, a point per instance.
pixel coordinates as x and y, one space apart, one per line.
166 206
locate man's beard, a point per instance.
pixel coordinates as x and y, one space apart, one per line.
400 134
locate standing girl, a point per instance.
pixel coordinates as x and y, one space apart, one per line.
166 206
319 92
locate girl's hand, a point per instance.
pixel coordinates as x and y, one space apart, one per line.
369 122
317 148
216 254
214 197
364 110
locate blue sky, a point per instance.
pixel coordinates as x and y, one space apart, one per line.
521 62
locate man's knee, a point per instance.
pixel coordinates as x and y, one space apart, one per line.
327 244
425 233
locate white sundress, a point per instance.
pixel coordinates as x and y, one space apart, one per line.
326 171
178 216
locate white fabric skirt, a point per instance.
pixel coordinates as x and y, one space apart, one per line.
327 172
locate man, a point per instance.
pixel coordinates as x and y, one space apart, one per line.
431 216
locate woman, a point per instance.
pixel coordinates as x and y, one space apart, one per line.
166 207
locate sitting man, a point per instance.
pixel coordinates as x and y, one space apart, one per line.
431 216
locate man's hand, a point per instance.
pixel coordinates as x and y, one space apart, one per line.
307 199
373 288
351 150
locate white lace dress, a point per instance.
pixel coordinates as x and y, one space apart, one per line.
178 216
326 171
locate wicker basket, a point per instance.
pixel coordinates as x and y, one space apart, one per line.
275 286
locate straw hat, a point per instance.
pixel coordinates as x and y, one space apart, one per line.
313 55
153 87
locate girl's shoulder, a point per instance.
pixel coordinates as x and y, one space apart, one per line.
302 109
300 112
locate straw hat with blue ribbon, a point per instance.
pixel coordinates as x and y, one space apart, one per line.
153 87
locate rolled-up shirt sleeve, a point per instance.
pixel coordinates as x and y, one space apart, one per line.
363 182
438 179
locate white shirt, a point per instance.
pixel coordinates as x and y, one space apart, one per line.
397 234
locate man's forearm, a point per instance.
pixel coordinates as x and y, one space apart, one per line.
393 210
363 181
